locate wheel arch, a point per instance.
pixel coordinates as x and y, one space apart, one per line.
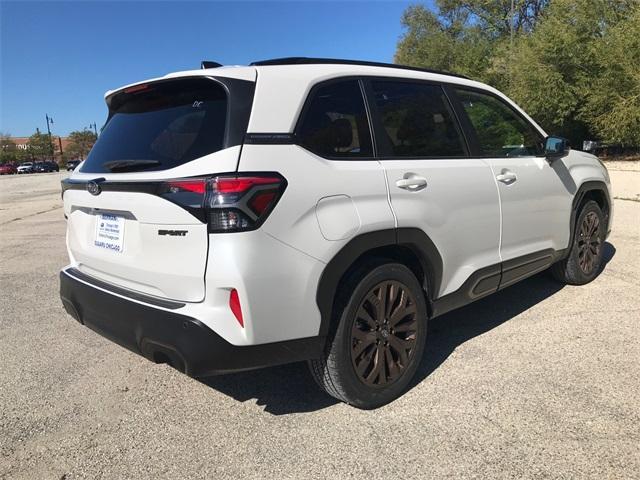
591 190
409 246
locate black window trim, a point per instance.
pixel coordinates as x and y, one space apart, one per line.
370 117
472 133
376 129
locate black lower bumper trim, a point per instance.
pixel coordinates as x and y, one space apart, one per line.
168 337
141 297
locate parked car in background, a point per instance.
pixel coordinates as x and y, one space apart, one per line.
8 169
46 167
72 164
26 167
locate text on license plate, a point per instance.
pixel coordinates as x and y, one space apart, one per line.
109 233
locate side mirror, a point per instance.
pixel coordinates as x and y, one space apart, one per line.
556 147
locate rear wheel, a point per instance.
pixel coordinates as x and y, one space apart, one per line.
377 342
584 261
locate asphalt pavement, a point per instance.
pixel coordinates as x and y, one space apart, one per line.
538 381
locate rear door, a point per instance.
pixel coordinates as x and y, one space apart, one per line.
433 183
132 219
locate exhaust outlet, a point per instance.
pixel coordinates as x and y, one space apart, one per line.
158 353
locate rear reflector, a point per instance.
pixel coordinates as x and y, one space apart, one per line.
234 305
227 203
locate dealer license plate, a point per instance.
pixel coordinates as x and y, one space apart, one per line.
109 233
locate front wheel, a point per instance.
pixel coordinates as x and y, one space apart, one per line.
378 339
584 261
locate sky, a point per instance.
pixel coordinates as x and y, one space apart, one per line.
58 58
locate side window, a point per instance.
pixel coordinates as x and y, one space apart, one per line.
335 122
418 120
500 130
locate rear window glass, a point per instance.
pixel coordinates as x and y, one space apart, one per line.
417 120
335 122
160 126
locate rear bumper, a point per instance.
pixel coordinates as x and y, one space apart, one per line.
164 336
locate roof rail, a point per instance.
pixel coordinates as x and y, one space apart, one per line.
316 61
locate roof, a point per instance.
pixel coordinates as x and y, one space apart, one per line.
249 72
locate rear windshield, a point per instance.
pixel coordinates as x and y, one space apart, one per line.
160 125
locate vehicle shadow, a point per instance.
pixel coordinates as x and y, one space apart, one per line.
290 389
281 390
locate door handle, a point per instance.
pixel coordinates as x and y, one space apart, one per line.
411 182
506 176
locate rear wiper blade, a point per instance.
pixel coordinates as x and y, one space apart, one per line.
120 165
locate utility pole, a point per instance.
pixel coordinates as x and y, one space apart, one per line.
511 39
513 7
60 143
49 120
513 12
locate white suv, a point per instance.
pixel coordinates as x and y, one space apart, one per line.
230 218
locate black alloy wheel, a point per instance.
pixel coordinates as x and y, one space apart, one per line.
384 333
589 243
584 260
377 337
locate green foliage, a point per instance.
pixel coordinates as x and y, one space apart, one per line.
442 43
494 17
39 147
80 144
574 65
612 106
9 153
556 68
462 36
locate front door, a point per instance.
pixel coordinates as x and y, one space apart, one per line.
535 196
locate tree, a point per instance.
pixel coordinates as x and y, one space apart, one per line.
6 143
572 64
9 152
442 41
80 144
557 68
612 106
39 146
495 17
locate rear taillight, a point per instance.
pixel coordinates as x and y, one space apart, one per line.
227 203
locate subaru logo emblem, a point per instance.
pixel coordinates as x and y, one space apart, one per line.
93 188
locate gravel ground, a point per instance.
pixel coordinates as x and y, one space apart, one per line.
625 178
537 381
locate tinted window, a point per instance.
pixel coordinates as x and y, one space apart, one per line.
500 130
160 126
418 120
335 122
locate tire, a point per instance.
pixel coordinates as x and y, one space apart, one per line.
364 338
584 261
